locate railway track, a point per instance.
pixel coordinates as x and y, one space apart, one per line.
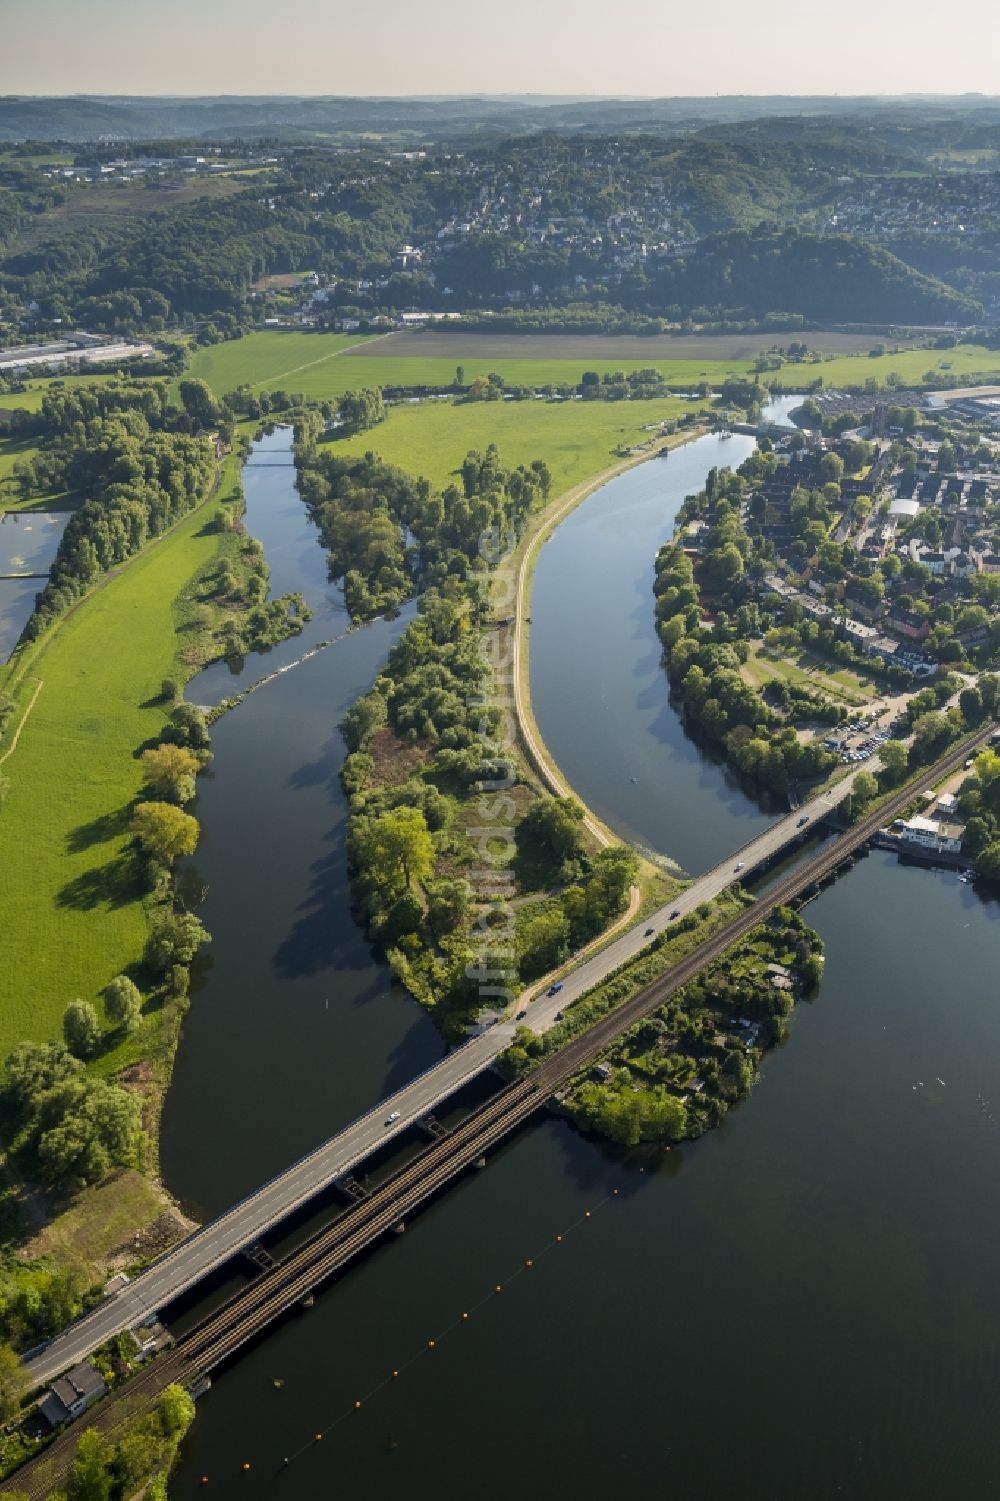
276 1291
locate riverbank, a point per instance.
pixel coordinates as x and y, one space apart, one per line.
90 696
517 635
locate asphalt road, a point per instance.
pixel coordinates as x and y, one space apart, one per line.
213 1244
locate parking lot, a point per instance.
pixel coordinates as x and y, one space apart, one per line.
862 738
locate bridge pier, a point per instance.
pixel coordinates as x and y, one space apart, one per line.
259 1257
349 1186
432 1127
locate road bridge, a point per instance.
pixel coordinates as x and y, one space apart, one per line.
245 1223
286 1283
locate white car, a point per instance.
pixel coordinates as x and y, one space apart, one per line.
391 1119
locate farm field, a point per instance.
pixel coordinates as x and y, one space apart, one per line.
434 344
269 359
307 364
576 439
74 917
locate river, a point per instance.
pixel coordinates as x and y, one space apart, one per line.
29 541
802 1304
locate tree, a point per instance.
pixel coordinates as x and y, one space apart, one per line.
165 831
175 939
187 727
549 842
175 1410
831 468
725 566
199 403
123 1002
543 943
84 1129
448 903
81 1029
32 1069
895 757
977 834
89 1479
362 409
864 789
970 701
365 716
169 772
13 1383
930 731
988 862
401 849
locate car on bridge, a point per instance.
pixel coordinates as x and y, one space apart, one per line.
392 1118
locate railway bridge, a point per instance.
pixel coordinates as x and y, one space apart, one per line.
242 1226
287 1282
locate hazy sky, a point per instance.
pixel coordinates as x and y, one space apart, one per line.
513 46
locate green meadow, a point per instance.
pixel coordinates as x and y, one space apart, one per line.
576 439
279 358
72 906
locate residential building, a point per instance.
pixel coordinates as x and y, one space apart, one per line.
72 1394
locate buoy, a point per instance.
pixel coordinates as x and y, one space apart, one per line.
529 1262
246 1464
498 1288
395 1374
465 1315
203 1480
431 1343
317 1437
558 1239
357 1404
586 1214
614 1192
278 1383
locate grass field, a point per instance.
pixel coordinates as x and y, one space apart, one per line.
98 1221
73 916
12 449
30 399
576 439
309 364
809 672
269 359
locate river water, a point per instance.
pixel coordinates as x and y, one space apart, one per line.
29 541
801 1305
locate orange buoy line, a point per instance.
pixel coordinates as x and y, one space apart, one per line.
432 1344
